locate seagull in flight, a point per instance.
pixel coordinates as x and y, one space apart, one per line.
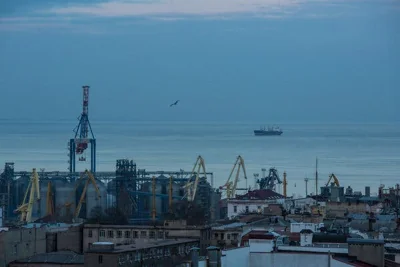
174 104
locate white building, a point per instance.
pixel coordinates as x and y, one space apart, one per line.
253 201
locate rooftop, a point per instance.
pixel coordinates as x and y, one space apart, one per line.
260 194
229 226
60 257
142 244
133 226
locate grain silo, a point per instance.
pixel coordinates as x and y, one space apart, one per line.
92 199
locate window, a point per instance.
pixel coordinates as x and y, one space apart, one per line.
135 234
127 234
160 234
235 209
143 234
222 236
228 236
152 234
247 209
100 259
216 236
110 234
102 233
119 234
90 234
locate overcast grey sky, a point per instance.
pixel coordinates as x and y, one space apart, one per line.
260 60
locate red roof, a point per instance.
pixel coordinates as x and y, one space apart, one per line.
261 194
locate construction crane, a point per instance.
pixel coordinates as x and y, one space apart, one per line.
231 186
79 143
49 200
335 180
270 181
191 185
90 179
25 209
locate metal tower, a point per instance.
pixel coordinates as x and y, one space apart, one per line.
79 143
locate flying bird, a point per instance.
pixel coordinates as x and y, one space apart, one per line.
174 104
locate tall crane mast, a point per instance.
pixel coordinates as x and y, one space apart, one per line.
79 143
192 183
231 186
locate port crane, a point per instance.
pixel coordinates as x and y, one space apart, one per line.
192 183
231 186
270 181
89 179
335 180
83 136
25 209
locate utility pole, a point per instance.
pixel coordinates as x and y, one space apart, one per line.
306 180
316 176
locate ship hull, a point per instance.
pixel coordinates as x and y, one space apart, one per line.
267 133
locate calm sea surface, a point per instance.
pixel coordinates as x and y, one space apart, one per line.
359 154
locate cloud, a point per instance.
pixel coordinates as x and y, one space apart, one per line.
175 7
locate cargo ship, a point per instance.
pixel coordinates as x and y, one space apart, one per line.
269 131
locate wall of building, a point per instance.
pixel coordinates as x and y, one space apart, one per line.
368 253
243 206
70 239
21 243
43 265
128 233
235 257
225 238
292 259
338 209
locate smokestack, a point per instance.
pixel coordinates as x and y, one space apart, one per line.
214 257
367 191
195 256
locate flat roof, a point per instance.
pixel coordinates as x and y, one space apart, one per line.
364 241
133 226
60 257
142 244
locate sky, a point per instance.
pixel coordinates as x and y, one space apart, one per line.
225 60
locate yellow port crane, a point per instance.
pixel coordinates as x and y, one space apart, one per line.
231 186
90 179
191 186
335 180
25 209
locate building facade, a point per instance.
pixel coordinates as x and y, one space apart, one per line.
128 234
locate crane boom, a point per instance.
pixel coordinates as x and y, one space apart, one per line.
231 186
33 190
191 186
335 180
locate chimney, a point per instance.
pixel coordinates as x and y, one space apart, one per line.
214 257
194 256
367 191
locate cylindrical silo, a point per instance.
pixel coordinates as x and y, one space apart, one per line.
64 193
92 199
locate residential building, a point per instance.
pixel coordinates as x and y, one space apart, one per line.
166 252
53 259
252 201
128 234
